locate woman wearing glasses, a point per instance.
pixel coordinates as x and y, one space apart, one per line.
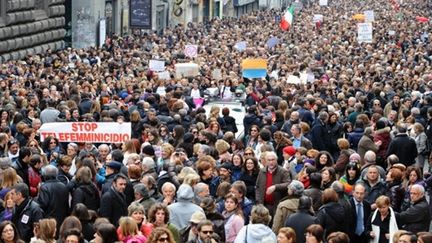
251 140
9 233
161 235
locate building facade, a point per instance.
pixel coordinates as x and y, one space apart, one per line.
30 26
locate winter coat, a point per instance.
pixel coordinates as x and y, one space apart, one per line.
249 120
34 178
395 191
284 209
299 222
87 194
354 137
281 179
258 233
320 136
373 191
24 216
416 218
405 148
233 225
182 210
382 135
250 181
365 144
113 206
230 124
53 199
331 216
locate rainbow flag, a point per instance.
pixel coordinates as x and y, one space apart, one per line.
254 68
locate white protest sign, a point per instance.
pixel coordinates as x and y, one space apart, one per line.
318 17
369 16
164 75
323 2
241 46
92 132
391 32
364 32
184 70
191 50
156 65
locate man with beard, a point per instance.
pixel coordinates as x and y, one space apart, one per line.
294 119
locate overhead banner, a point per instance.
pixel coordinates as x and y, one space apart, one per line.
92 132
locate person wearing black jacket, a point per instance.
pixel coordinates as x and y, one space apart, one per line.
358 229
86 191
230 122
302 219
53 195
113 202
21 165
331 215
26 211
417 217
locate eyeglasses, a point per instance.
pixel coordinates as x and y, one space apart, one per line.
32 145
7 230
206 232
248 153
163 239
53 142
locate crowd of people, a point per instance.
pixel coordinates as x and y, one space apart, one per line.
343 155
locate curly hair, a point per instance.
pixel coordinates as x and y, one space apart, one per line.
158 232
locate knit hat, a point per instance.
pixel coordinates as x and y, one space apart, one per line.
149 150
289 150
355 157
226 166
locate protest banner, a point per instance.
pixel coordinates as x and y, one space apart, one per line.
323 2
184 70
92 132
217 74
364 32
191 50
369 16
157 66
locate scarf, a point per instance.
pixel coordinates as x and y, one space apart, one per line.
393 225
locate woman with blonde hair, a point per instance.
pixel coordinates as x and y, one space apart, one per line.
383 218
8 205
222 148
128 231
128 149
9 179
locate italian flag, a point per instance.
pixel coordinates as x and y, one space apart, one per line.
287 19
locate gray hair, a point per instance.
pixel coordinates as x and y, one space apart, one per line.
148 162
296 188
260 215
370 156
199 187
104 146
168 184
205 149
338 187
270 153
420 188
49 171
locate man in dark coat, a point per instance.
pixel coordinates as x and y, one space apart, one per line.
26 211
404 147
21 165
360 212
113 202
320 133
417 217
53 195
302 219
